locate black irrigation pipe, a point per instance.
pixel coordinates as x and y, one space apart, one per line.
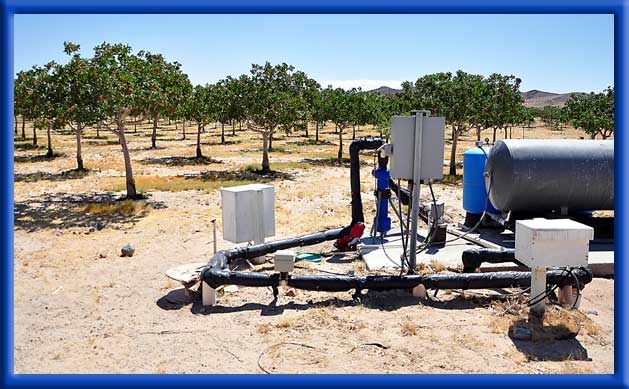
474 258
338 283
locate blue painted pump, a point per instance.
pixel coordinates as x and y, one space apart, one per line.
474 191
383 221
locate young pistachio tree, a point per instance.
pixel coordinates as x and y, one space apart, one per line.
317 111
221 101
123 81
198 107
47 103
165 89
272 98
339 110
235 108
80 96
24 99
593 113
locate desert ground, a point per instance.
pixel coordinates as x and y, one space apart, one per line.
79 307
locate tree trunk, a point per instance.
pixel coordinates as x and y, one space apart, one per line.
15 123
353 131
183 126
478 131
130 181
340 153
495 129
222 133
79 157
49 154
317 132
98 131
233 128
306 128
154 134
239 126
34 135
271 142
199 153
135 125
266 167
23 126
455 138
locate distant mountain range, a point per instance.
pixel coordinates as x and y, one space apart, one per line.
533 98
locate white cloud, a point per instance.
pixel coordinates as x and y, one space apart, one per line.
366 85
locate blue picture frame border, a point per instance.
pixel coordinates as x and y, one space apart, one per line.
619 8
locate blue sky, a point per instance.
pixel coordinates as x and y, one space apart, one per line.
556 53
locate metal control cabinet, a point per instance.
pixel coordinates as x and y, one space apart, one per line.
248 213
403 130
544 243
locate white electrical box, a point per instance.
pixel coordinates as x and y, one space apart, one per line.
544 243
284 261
248 213
403 130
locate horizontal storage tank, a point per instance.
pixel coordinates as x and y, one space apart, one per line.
474 191
538 175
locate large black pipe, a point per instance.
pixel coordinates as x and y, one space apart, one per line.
354 173
338 283
474 258
221 259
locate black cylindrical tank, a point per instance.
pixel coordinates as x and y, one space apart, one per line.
537 175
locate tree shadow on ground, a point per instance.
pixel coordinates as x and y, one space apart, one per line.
147 148
179 161
330 162
72 174
310 142
63 210
27 146
218 143
549 342
240 175
36 158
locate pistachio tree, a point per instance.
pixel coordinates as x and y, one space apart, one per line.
198 108
165 88
124 82
339 110
24 99
80 106
47 103
593 112
272 97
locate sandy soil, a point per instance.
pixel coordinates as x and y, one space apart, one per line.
81 308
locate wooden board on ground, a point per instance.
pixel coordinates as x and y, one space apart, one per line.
186 274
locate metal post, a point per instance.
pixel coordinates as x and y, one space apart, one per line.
258 222
214 234
416 184
538 290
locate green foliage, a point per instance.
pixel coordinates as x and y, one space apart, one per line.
593 113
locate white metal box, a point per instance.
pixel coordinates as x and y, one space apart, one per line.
248 213
543 243
403 129
284 261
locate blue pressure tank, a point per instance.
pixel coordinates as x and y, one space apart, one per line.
474 191
382 184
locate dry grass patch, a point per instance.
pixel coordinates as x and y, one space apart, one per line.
408 329
124 208
177 184
558 323
317 318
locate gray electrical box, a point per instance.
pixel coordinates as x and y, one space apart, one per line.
403 130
